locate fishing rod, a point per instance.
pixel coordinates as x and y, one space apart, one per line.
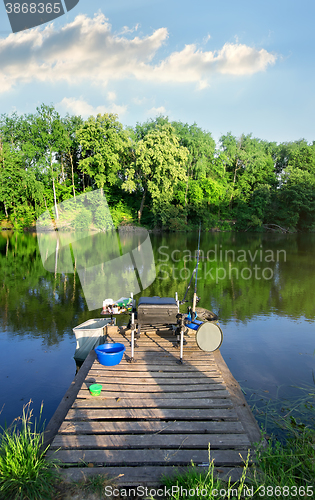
184 299
195 272
196 299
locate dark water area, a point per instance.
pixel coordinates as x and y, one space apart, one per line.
262 285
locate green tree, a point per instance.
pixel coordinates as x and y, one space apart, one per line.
70 153
104 144
20 192
251 171
159 165
48 135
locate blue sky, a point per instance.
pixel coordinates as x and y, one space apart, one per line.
245 67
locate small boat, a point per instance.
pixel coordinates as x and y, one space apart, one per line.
89 335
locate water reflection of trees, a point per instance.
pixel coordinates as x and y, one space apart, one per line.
289 292
42 304
34 301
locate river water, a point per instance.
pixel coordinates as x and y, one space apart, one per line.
262 286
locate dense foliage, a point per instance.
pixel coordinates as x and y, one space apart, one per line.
162 174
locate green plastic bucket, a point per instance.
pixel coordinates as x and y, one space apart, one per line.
95 389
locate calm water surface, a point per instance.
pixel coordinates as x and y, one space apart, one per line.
261 284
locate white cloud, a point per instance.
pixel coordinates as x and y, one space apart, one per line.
238 59
157 111
86 50
125 30
139 101
81 107
111 96
193 65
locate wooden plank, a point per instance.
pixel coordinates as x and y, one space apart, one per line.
169 352
153 426
156 375
178 381
146 476
152 403
154 368
153 413
167 362
152 344
150 359
163 353
160 345
159 364
165 356
141 458
84 394
163 387
174 441
146 339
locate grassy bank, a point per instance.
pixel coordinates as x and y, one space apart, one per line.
283 470
24 471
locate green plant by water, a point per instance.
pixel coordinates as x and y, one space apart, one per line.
24 471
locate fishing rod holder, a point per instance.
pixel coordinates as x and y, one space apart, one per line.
180 330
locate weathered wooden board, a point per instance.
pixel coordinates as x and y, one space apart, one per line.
157 457
184 441
153 368
154 374
152 413
136 479
150 426
99 402
163 387
85 394
178 381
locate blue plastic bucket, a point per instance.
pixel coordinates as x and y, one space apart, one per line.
110 354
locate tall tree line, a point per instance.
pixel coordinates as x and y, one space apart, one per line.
159 173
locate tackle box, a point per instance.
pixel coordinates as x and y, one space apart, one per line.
157 310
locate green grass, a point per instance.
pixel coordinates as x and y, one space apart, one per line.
282 472
287 470
24 472
196 484
87 488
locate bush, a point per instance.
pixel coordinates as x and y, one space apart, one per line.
173 217
82 220
103 219
121 214
24 216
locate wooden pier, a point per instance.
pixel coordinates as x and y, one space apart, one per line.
154 416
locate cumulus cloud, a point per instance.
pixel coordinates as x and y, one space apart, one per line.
157 111
125 30
83 108
87 50
193 65
111 96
